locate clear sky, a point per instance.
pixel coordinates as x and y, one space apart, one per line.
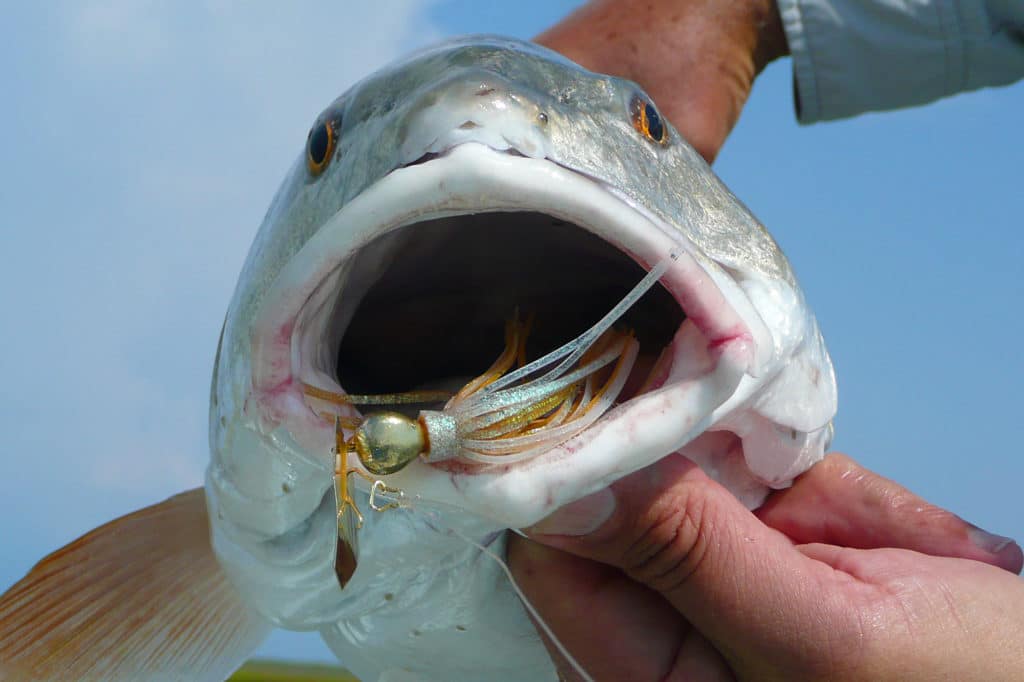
141 143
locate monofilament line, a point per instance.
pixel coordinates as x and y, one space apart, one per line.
572 351
529 607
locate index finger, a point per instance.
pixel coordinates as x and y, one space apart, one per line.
839 502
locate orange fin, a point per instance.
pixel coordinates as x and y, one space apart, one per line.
140 598
285 671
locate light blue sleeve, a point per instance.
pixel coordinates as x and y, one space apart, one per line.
852 56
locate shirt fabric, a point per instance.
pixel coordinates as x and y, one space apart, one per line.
852 56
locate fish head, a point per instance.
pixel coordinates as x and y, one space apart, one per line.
432 200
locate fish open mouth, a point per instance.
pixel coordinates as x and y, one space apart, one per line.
412 286
434 318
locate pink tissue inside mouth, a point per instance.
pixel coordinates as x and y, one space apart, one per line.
718 346
277 394
271 357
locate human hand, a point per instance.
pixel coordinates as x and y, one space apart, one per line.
696 58
846 575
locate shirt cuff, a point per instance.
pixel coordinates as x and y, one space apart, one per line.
852 56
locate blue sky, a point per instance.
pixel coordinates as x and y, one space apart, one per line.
142 143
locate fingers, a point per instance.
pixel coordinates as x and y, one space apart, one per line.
615 628
933 617
696 59
771 610
685 537
839 502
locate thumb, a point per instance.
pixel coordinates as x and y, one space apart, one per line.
670 527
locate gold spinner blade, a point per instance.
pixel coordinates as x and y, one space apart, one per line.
349 519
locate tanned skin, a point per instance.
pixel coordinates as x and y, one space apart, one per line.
698 59
844 576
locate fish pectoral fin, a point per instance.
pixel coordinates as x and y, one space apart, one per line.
140 598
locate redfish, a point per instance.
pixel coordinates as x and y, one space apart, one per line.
492 283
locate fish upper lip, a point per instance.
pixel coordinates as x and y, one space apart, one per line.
277 342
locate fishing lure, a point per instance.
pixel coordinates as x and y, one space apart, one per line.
497 418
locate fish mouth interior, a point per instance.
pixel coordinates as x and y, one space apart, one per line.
434 298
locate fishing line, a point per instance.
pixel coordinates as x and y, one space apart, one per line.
540 622
430 518
572 351
566 356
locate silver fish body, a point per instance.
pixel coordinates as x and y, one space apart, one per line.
487 155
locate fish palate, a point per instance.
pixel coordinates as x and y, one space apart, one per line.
484 198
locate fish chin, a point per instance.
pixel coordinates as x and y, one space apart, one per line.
407 288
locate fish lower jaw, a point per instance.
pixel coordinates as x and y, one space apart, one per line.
408 286
707 410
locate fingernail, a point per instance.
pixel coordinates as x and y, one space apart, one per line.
993 544
581 517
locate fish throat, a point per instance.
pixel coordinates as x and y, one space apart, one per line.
435 318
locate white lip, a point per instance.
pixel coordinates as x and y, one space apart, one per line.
473 178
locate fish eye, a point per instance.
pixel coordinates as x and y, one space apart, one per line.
320 146
646 120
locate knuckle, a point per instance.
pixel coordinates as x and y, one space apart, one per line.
836 466
901 503
669 544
